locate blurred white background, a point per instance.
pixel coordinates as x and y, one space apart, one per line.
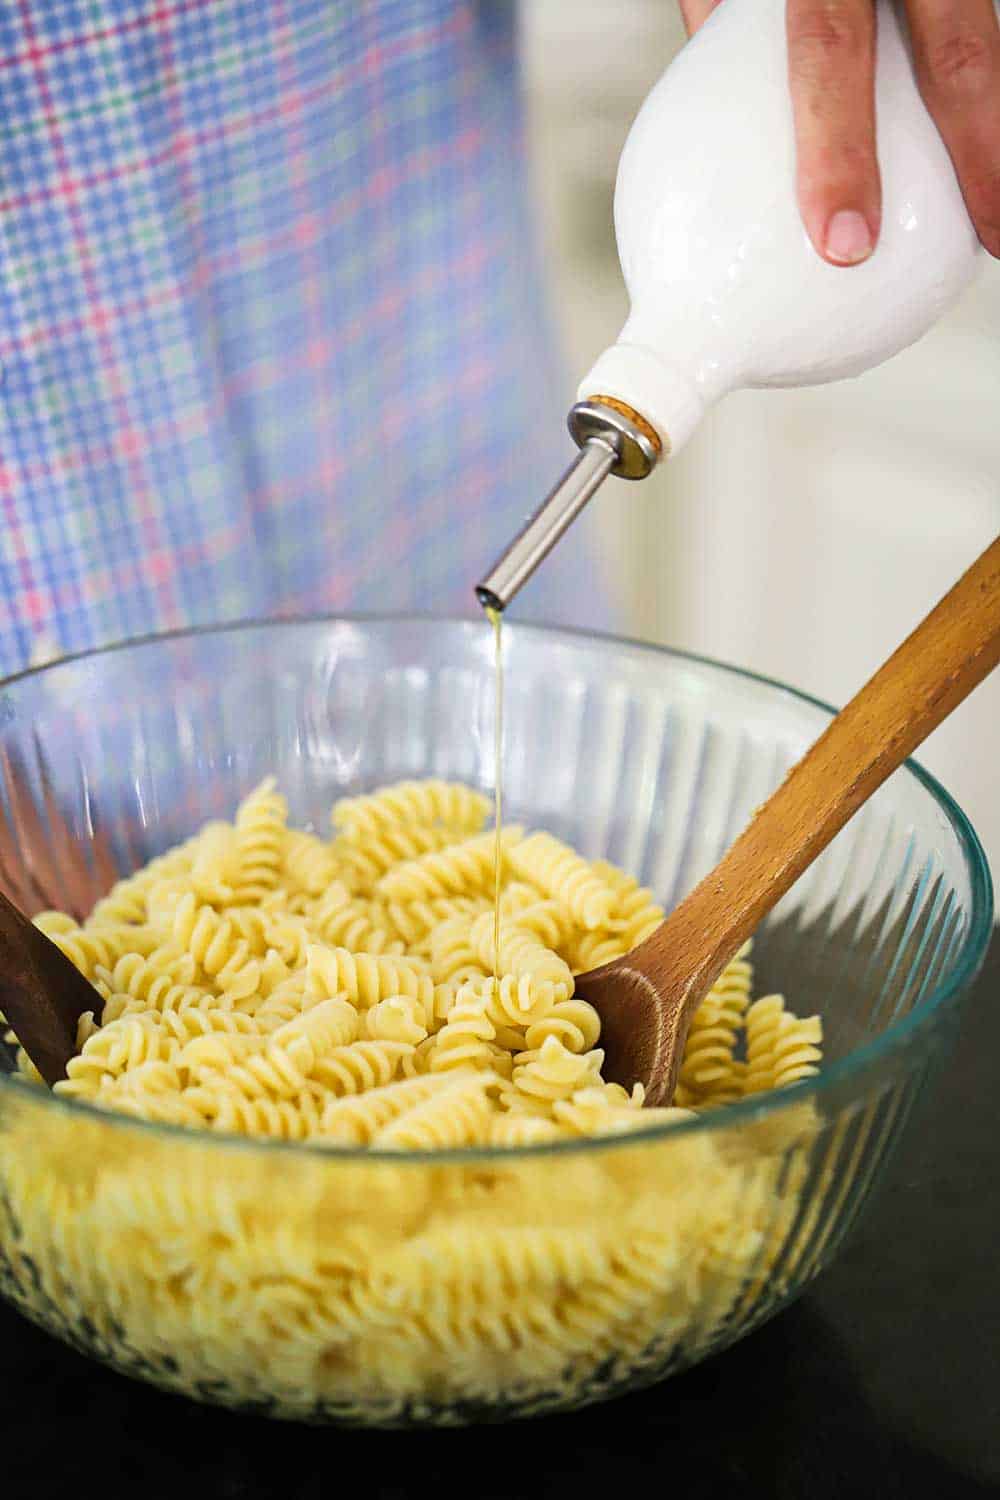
801 533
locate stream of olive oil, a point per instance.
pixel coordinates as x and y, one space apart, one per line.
495 618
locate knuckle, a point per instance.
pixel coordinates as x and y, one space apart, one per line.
961 62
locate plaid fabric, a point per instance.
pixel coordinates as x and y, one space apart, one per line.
270 324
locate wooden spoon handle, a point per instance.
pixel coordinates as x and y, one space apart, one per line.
947 655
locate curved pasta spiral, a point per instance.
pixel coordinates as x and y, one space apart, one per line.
235 1002
360 1067
709 1070
124 905
464 1040
309 863
731 991
517 1001
400 1018
242 979
148 979
459 1116
781 1048
260 834
87 949
454 958
548 921
295 1118
575 1023
215 865
465 869
290 937
209 938
521 954
358 925
307 1037
366 978
367 862
357 1119
550 1074
121 1045
558 870
451 804
413 923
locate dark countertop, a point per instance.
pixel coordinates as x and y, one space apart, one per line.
883 1380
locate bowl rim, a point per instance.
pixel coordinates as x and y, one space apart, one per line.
889 1043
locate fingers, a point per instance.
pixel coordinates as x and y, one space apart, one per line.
831 69
695 12
956 48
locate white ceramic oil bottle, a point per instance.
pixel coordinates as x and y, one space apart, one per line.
726 289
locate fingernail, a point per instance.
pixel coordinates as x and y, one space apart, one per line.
848 238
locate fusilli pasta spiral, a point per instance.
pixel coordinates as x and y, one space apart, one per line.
243 977
263 981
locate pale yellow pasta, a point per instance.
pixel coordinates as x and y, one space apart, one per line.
246 962
463 869
356 1120
87 949
781 1049
260 836
458 1117
519 1000
366 978
345 922
309 863
387 846
216 863
549 1074
521 953
399 1018
453 956
575 1022
559 871
449 804
464 1040
416 920
341 993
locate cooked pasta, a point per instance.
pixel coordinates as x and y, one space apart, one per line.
250 936
261 981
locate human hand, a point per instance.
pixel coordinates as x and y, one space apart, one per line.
831 69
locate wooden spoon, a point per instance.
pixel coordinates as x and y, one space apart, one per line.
42 994
646 1000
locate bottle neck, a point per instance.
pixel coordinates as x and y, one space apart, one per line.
662 391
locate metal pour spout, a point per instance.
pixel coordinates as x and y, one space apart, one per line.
613 439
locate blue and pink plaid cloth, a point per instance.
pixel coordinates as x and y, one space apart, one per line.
271 330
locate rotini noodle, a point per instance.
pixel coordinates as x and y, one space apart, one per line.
450 804
246 962
260 981
260 835
559 871
465 869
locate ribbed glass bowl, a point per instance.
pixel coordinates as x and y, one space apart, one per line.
343 1286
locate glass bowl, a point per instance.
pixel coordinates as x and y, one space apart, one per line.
346 1286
